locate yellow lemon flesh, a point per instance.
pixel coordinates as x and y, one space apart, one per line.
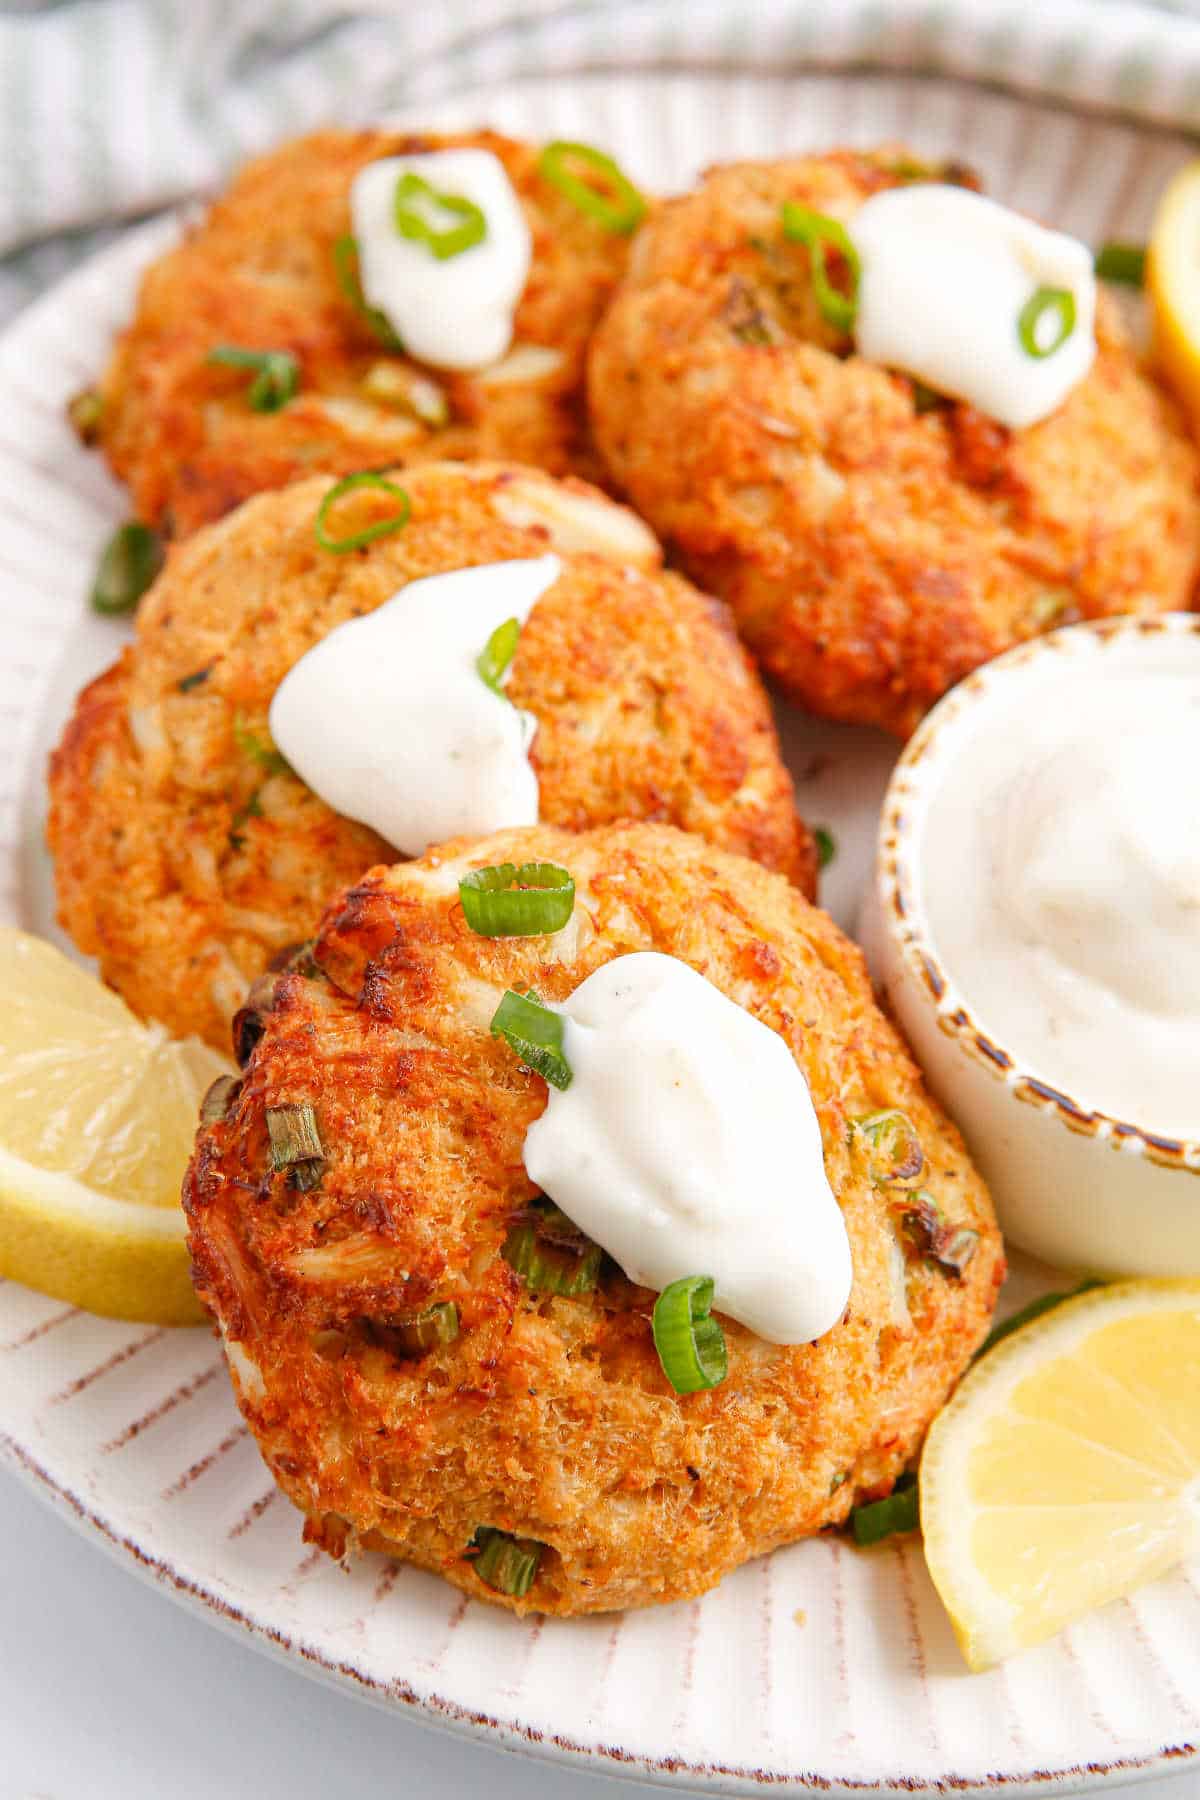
1066 1469
1173 287
97 1117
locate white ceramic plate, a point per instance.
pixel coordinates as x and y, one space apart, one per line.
818 1665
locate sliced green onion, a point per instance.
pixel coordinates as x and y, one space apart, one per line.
277 380
1125 263
896 1153
86 412
366 478
295 1141
506 1563
1058 301
925 399
529 901
826 845
419 1332
689 1341
820 234
950 1246
412 206
264 754
535 1033
345 268
879 1519
128 564
1028 1314
186 683
393 384
620 210
549 1268
493 660
219 1098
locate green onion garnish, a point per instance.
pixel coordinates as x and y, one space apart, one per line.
277 379
506 1563
345 268
381 528
264 754
620 210
1058 301
896 1153
1125 263
1029 1313
549 1268
951 1247
689 1341
826 845
925 399
882 1518
535 1033
186 683
493 660
86 413
128 564
414 203
419 1332
506 901
821 234
219 1098
296 1143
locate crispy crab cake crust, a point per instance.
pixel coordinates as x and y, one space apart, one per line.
873 553
184 861
551 1417
258 272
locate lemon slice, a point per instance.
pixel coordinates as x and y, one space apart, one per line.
1173 286
97 1118
1066 1469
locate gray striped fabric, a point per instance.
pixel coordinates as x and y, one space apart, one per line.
110 109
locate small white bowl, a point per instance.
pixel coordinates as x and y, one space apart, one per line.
1074 1185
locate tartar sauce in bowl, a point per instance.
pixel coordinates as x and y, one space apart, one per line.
1036 926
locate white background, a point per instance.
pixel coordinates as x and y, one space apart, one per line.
109 1691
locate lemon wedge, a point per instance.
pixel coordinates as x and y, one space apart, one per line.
97 1118
1173 287
1066 1469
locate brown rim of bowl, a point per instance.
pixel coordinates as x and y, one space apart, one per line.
906 921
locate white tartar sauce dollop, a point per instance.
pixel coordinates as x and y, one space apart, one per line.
687 1144
1062 881
454 312
389 720
945 275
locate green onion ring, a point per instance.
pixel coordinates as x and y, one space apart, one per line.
689 1341
535 1034
549 1268
504 1562
493 660
879 1519
277 380
413 194
1125 263
896 1153
530 901
1060 301
819 233
345 269
128 565
381 527
620 211
826 844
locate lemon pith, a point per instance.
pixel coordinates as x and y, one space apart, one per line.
1065 1472
97 1116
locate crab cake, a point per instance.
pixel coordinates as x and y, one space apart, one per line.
409 1388
187 854
261 272
875 543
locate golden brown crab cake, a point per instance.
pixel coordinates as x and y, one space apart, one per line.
186 856
259 271
550 1417
875 544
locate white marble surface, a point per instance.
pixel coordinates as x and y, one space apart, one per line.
108 1691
